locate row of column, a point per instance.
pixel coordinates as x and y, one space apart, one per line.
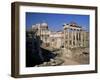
75 38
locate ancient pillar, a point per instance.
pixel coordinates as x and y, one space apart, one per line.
81 38
75 38
78 38
72 38
84 39
68 39
64 38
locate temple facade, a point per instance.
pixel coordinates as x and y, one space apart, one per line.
71 36
75 36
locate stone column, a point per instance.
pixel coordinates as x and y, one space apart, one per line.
75 38
84 39
72 37
64 38
68 39
78 38
81 38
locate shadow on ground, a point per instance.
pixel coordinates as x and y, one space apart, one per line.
33 58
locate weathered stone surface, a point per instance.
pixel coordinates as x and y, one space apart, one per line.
67 52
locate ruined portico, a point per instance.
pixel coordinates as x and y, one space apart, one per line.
74 36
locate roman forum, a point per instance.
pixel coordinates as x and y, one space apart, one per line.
71 36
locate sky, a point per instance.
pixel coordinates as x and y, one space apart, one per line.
56 21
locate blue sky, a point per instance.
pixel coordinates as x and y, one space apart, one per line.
55 21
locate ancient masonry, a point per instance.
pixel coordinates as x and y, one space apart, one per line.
71 36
